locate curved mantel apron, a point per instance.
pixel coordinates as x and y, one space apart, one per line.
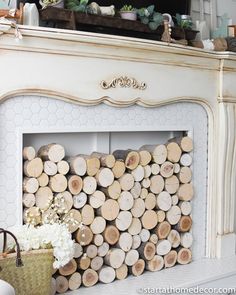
77 67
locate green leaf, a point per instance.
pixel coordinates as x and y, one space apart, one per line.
157 17
141 12
145 20
151 9
153 26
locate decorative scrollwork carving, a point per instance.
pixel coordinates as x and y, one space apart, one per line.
124 82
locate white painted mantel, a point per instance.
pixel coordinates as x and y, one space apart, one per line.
70 66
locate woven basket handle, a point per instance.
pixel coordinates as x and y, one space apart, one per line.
18 255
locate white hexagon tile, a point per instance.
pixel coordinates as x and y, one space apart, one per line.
42 113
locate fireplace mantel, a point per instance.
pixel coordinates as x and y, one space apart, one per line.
77 67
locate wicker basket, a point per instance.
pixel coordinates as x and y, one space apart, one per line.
28 272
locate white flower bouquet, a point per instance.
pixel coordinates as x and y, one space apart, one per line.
46 236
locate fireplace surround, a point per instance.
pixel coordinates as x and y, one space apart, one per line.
59 90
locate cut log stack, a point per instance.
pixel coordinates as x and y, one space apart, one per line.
128 211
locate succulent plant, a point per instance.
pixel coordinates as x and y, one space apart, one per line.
128 8
183 23
77 5
150 17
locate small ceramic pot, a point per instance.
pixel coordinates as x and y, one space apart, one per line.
131 15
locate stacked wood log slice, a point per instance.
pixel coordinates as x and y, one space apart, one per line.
128 211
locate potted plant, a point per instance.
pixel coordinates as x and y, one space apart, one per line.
128 12
150 17
54 3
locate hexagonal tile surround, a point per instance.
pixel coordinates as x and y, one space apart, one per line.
42 113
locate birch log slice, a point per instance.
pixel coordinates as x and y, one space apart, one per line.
111 235
173 215
138 208
184 256
184 224
103 249
136 190
98 225
176 168
75 184
62 284
121 272
115 257
43 179
93 165
30 185
52 152
107 274
84 262
87 214
164 201
145 157
123 220
144 235
43 198
135 226
126 182
173 152
113 191
149 219
158 152
167 169
98 239
185 207
105 160
126 201
73 220
147 171
172 184
125 241
105 177
186 240
110 209
155 168
138 173
150 201
186 143
131 257
33 168
144 193
163 247
69 268
78 250
138 268
153 239
130 158
174 238
50 168
75 281
97 199
185 175
146 183
77 165
163 229
147 251
63 167
32 215
89 185
53 288
28 200
157 184
58 183
49 216
170 259
91 251
155 264
29 153
186 160
161 215
79 200
84 236
89 277
118 169
185 192
175 200
136 242
97 263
